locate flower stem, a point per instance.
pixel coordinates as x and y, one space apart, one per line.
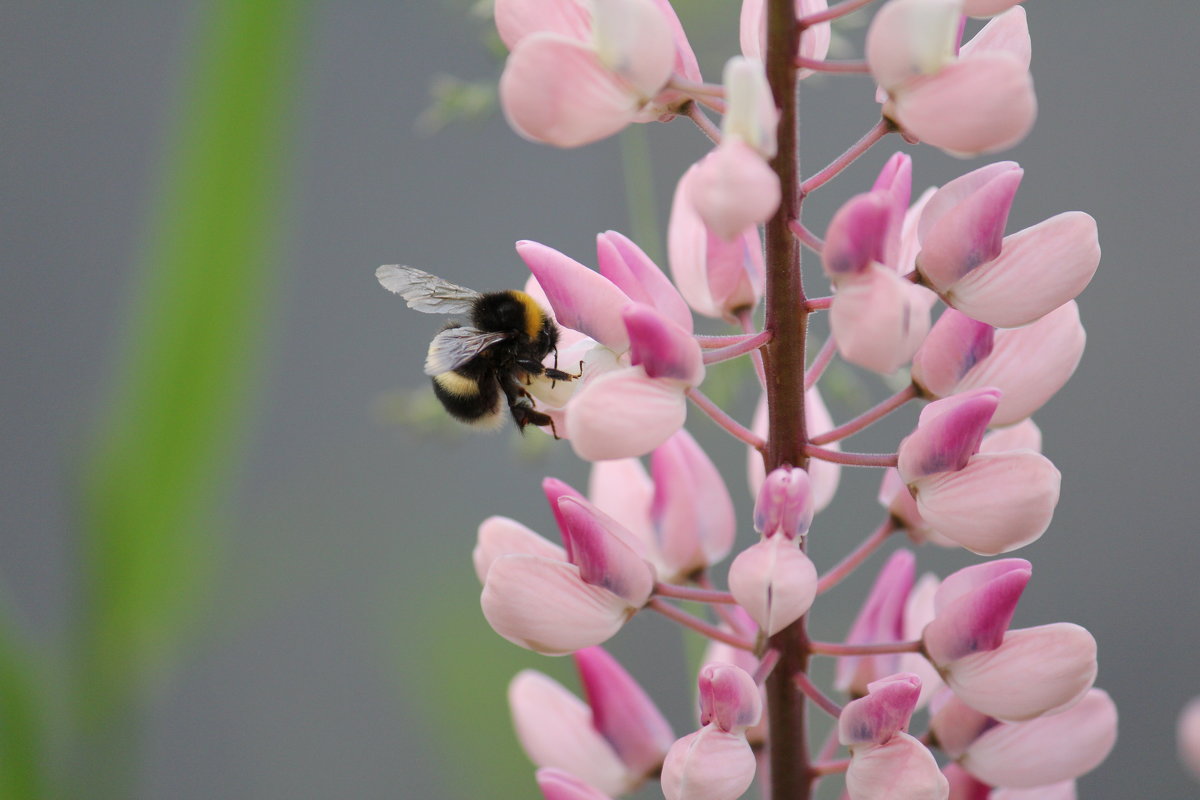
867 418
695 595
857 556
819 303
746 320
833 12
824 356
877 132
852 459
814 693
831 767
874 649
807 237
820 65
728 423
685 619
746 345
715 342
705 124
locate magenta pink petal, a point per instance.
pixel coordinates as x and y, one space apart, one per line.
557 91
729 698
499 536
661 347
881 619
969 234
709 764
605 554
557 784
632 271
895 182
882 713
955 344
582 299
622 712
976 622
962 583
784 505
554 489
957 191
977 105
823 475
948 433
856 235
692 510
651 410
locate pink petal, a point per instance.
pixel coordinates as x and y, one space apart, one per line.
976 621
661 347
856 236
499 536
908 39
685 59
634 39
823 475
516 19
632 271
918 612
902 768
1030 364
875 321
948 433
1187 736
987 8
997 503
554 489
1063 790
774 581
1025 435
582 299
709 764
895 183
555 729
606 555
951 195
814 42
784 505
543 605
969 234
733 189
622 489
955 344
729 698
882 713
977 105
1048 749
964 785
557 784
1007 33
960 585
1038 270
623 713
1035 671
692 510
881 619
623 413
955 724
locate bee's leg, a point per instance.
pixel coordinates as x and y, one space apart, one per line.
521 405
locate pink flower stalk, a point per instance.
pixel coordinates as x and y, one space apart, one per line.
580 72
557 784
977 100
716 762
1187 736
885 761
881 619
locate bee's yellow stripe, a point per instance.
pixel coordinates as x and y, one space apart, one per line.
457 384
534 315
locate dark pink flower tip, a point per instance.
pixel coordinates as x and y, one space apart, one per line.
977 621
632 271
554 489
895 183
605 553
784 504
582 299
956 192
883 713
622 711
729 698
881 619
948 433
856 235
959 585
969 234
964 785
692 511
661 347
557 784
955 344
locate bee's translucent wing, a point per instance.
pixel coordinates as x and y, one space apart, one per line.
425 292
454 347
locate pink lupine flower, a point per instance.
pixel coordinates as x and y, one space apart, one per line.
814 42
881 619
1187 736
989 503
919 612
955 344
823 476
644 358
1046 750
784 504
580 72
500 536
718 277
716 762
973 608
613 742
885 761
774 581
557 784
719 652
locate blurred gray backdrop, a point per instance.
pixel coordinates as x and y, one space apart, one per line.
346 605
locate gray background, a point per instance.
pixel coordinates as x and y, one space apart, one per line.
300 688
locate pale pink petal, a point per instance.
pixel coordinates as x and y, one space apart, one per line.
895 184
622 489
634 39
882 713
1030 364
1063 790
973 106
774 581
945 199
856 236
918 612
685 59
997 503
1047 749
948 433
955 344
582 299
987 8
555 729
1187 736
814 41
908 39
910 244
969 234
752 31
557 91
543 605
1038 270
959 585
692 510
623 413
606 555
568 338
955 724
557 784
734 188
709 764
1008 33
623 713
632 271
902 769
662 348
729 698
881 619
875 322
499 536
516 19
1035 671
822 475
1025 435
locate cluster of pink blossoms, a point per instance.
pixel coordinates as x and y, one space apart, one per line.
1013 713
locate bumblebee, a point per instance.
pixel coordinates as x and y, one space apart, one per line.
497 355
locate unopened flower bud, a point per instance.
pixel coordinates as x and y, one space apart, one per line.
973 608
948 433
774 581
784 503
729 698
622 712
882 713
881 619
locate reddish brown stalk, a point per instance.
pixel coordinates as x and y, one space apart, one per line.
783 357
